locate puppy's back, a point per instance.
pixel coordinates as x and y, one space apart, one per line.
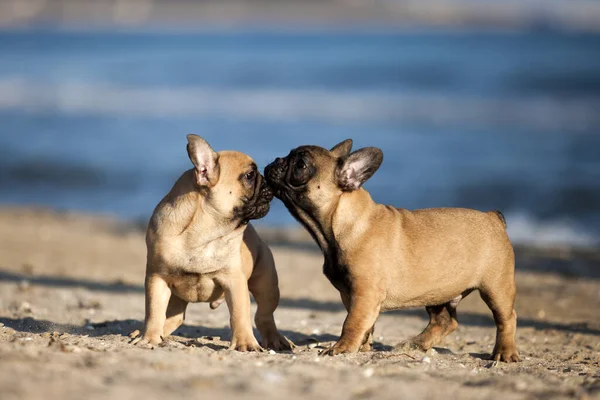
456 234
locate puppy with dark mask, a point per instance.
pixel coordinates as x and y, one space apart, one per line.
384 258
202 249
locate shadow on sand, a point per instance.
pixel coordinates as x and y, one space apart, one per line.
125 327
465 318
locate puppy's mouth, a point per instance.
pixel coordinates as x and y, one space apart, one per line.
259 205
275 177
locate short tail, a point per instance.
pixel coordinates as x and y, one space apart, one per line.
500 217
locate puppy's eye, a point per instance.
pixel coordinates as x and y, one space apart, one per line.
250 175
300 164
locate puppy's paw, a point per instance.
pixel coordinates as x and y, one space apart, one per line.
366 348
249 344
339 348
506 354
147 340
278 342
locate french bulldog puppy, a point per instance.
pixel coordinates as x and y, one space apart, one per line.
202 249
384 258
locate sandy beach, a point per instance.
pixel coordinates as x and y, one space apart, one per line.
71 290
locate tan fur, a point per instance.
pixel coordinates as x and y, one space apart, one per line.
198 252
383 258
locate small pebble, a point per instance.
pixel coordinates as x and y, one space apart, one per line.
431 352
24 285
272 352
25 307
1 324
316 331
368 372
426 360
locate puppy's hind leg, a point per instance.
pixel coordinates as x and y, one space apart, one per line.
442 322
175 314
500 299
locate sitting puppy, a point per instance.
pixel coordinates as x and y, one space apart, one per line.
384 258
201 249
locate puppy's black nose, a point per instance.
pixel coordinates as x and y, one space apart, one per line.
277 163
274 171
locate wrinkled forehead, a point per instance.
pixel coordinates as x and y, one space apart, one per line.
312 152
233 161
320 161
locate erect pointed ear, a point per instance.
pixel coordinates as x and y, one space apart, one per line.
205 160
356 168
342 149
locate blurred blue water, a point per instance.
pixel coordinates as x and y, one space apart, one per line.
97 121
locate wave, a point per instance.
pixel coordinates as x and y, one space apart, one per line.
73 98
525 229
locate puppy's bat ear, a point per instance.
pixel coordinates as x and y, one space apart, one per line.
205 160
342 149
355 169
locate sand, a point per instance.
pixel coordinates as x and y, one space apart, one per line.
71 291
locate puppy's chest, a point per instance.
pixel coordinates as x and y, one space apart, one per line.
194 277
338 275
195 288
209 258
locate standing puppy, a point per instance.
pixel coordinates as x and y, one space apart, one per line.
201 248
384 258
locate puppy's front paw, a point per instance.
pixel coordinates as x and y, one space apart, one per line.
507 354
339 348
148 339
366 348
249 344
278 342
